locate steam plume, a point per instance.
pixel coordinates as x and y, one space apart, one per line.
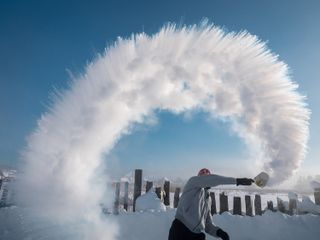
228 75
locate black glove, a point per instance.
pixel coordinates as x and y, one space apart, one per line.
222 234
244 181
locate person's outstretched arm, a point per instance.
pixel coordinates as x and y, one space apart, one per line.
213 180
209 181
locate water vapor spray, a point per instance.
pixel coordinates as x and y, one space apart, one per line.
227 75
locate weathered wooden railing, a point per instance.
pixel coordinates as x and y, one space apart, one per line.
164 195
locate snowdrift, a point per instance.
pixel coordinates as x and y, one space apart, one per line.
155 225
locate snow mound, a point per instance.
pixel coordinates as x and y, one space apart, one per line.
306 205
315 184
293 196
149 202
269 226
17 224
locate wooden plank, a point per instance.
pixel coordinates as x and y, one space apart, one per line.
317 196
213 203
280 205
257 205
3 200
126 196
270 205
149 186
117 199
292 206
248 202
158 192
176 197
166 189
137 186
224 206
237 206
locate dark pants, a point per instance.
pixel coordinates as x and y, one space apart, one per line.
179 231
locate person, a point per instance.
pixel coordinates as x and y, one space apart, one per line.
193 214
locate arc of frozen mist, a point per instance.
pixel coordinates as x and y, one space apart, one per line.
228 75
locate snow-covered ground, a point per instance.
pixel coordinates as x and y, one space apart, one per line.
270 226
15 225
153 220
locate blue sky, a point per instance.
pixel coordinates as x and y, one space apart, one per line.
40 41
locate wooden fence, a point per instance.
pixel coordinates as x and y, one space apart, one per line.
164 195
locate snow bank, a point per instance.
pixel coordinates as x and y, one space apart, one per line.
293 196
149 202
270 226
315 184
306 205
15 225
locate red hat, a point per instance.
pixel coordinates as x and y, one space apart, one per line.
204 171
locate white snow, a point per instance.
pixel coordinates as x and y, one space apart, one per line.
154 224
152 220
315 184
149 202
269 226
293 196
306 205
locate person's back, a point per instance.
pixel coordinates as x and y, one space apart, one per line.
193 213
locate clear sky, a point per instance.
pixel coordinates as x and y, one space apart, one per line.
40 41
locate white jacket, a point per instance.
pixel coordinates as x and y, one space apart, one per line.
194 208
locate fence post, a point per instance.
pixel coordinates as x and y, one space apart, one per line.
137 186
149 186
292 206
166 189
248 205
224 207
126 196
280 205
317 196
213 203
270 205
257 205
176 197
3 200
158 192
237 206
117 199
